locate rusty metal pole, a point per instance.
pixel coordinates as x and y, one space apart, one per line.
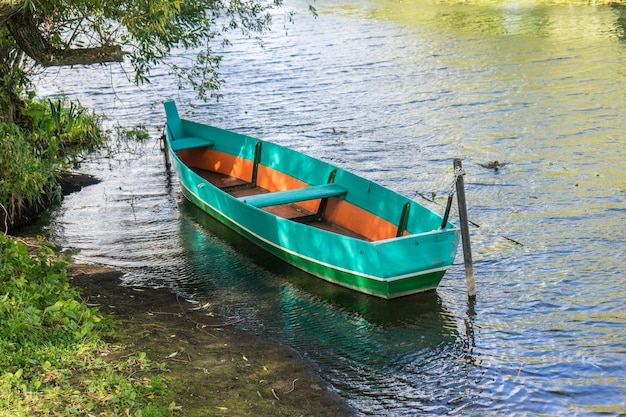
465 237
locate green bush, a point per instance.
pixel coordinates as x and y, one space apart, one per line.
27 177
62 133
65 131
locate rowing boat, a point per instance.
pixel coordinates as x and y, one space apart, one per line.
322 219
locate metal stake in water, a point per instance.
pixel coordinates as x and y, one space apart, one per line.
467 250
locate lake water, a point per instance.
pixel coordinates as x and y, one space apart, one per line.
394 91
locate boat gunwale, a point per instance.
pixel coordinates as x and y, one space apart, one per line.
345 199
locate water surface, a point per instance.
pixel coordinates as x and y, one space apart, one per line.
394 91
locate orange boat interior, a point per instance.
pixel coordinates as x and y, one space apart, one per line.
241 177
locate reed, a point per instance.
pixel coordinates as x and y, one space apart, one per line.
59 136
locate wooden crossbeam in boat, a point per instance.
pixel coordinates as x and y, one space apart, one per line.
319 216
293 196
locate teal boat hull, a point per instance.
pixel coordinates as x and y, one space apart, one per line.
388 267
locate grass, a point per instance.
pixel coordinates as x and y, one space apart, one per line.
54 360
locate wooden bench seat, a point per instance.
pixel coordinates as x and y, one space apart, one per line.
179 138
178 144
293 196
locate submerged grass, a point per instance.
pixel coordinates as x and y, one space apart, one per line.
211 369
54 360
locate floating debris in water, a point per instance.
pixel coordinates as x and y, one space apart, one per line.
495 165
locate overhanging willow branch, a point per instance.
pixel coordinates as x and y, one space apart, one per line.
25 31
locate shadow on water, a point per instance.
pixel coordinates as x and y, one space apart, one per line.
277 274
620 21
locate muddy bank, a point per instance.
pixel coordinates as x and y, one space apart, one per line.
212 368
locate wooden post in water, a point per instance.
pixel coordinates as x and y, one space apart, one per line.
467 250
166 151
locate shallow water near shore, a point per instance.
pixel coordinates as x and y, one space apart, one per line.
394 92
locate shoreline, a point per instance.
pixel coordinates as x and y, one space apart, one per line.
212 368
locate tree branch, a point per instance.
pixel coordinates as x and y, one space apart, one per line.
7 10
21 23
